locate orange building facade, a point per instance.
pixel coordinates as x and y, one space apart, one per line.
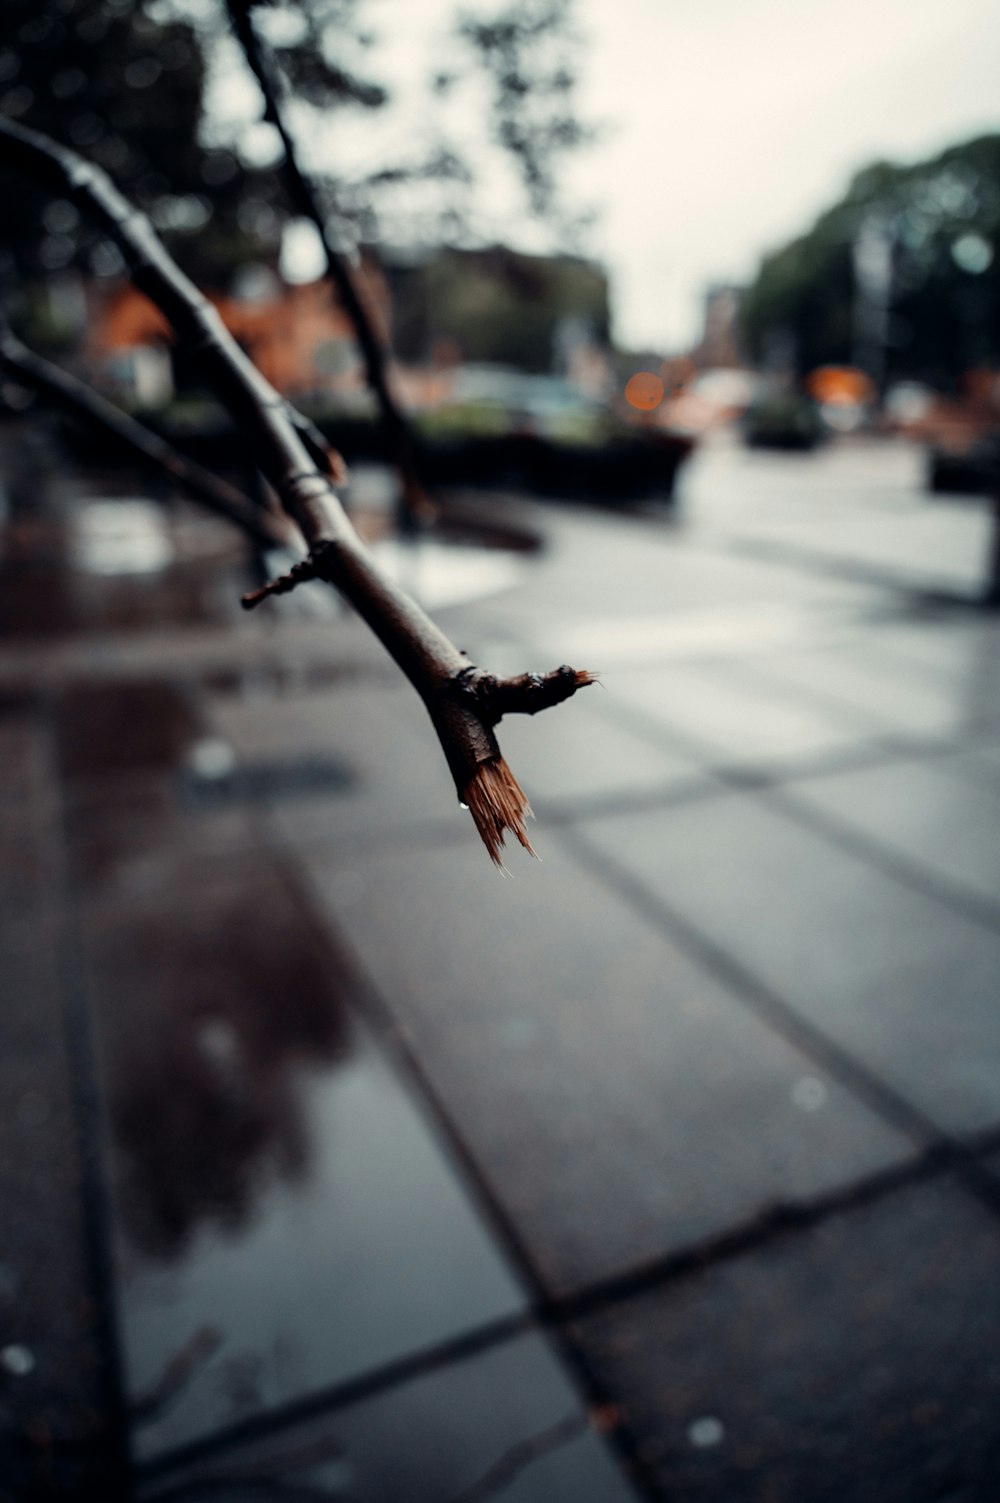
297 336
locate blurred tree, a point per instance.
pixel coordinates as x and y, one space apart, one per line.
495 304
901 276
126 88
129 84
525 47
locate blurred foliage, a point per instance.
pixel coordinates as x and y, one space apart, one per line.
124 83
489 419
496 305
526 49
781 420
941 221
127 84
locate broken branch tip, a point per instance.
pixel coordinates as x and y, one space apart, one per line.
498 806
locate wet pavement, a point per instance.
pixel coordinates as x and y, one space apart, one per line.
337 1166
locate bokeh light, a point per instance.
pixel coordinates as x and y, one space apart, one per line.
644 391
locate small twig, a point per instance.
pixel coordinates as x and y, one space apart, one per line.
526 693
176 1375
265 1476
299 573
521 1455
328 460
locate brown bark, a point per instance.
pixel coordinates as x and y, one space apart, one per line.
464 703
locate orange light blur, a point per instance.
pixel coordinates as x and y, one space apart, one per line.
839 384
644 391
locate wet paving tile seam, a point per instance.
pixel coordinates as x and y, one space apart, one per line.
339 1396
967 1162
873 744
489 1422
934 1157
102 1458
877 748
798 556
476 1339
886 858
711 783
775 1223
551 1315
85 1080
95 1199
404 1058
444 830
856 1364
836 702
751 992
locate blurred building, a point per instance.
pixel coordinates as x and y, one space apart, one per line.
546 314
720 346
297 335
444 308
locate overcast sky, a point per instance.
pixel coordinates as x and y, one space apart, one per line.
734 122
727 125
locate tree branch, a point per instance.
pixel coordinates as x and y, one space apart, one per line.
522 1455
306 202
82 402
445 679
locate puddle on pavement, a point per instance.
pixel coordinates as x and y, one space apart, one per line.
106 730
504 1423
212 776
440 573
285 1219
120 537
113 563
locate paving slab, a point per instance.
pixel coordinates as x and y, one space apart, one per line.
854 1362
55 1425
108 730
603 566
24 752
505 1423
732 720
922 812
55 1432
979 762
619 1101
357 761
965 652
285 1216
576 753
894 698
901 981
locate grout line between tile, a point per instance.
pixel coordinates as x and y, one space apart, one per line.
921 878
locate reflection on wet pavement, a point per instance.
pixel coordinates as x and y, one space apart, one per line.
274 1183
109 729
725 1046
116 563
287 1224
121 537
501 1423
